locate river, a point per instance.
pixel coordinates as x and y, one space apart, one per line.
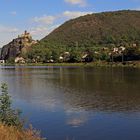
74 103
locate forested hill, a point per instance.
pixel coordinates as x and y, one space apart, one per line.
97 29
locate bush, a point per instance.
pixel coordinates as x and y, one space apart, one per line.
12 133
11 60
10 123
8 116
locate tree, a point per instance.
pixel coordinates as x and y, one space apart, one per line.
75 55
8 116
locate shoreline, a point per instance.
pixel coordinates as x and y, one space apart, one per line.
131 64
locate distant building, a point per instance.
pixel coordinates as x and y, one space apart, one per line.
19 60
122 48
115 50
17 46
134 45
25 35
87 57
2 61
64 56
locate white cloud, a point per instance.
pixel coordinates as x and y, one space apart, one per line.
138 8
5 29
41 31
77 2
13 13
7 34
43 25
48 20
74 14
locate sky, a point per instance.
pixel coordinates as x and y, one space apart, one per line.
40 17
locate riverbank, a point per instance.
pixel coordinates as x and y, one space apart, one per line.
11 125
133 64
12 133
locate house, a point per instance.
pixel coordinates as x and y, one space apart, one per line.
87 57
84 56
134 45
20 60
64 56
61 58
2 61
50 61
121 48
115 50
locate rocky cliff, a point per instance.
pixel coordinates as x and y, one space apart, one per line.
17 46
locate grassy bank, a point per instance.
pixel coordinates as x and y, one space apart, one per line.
133 64
12 133
11 124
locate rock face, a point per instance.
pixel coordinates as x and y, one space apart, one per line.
17 47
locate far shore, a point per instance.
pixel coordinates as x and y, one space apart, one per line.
133 64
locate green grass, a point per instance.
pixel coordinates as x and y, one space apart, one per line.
134 64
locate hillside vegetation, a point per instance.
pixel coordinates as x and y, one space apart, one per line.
106 36
109 36
98 29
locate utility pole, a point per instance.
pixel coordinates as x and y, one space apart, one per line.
112 58
122 57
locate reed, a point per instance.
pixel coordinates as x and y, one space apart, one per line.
12 133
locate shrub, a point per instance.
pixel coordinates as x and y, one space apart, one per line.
10 123
12 133
8 116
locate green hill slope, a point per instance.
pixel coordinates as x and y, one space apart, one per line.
109 36
97 29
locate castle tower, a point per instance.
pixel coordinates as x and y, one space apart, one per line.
25 32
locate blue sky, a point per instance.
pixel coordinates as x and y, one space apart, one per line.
40 17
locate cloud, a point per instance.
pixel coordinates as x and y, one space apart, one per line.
7 34
77 2
13 13
138 8
6 29
74 14
43 25
48 20
41 31
75 118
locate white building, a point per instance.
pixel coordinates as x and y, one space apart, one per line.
2 61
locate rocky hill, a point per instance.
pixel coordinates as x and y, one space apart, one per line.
99 28
17 47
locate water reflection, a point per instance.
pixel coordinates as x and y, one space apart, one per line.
99 89
75 119
104 89
77 103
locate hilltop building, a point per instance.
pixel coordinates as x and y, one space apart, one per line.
17 46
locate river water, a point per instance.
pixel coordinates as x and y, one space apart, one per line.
72 103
